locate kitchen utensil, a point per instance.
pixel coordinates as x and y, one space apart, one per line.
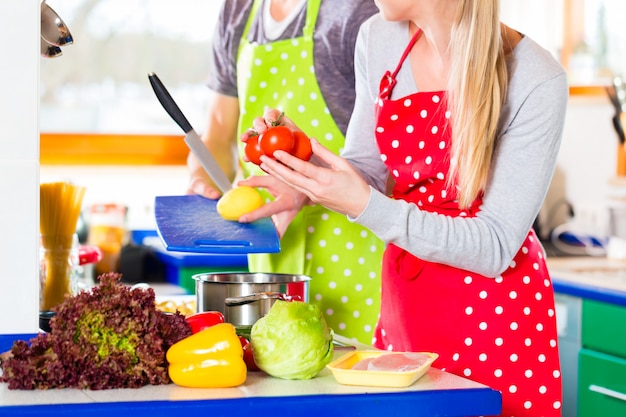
247 299
192 139
617 95
191 223
53 30
614 92
620 92
619 129
610 90
214 289
49 51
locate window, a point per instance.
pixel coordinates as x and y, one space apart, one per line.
595 41
100 83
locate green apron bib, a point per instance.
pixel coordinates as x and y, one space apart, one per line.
342 258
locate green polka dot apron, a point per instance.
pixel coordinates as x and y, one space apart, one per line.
342 258
498 331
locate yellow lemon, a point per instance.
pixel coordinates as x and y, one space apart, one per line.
239 201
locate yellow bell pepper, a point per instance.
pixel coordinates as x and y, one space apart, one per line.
211 358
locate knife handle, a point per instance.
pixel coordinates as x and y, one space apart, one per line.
168 103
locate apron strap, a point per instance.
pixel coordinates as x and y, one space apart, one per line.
406 52
312 11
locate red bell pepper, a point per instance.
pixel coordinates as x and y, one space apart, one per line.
204 319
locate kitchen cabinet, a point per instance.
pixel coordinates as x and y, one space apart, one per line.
568 314
591 315
602 360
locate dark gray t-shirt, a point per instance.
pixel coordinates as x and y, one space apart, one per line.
334 39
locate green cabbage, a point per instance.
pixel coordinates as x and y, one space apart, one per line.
292 341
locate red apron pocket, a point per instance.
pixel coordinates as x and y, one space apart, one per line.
402 264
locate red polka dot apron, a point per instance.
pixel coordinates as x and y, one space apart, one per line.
497 331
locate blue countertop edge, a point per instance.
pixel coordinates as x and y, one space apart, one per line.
591 292
450 402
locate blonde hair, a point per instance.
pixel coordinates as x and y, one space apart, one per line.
476 91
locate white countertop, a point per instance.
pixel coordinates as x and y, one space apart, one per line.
597 278
258 384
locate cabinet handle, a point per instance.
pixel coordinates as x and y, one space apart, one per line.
607 392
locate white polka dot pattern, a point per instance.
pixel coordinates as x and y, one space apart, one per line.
498 331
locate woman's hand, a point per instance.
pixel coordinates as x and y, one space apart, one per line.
252 151
271 118
285 206
337 186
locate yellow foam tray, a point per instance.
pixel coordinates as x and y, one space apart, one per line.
341 369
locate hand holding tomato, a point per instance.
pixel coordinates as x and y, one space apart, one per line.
253 150
269 135
302 146
277 138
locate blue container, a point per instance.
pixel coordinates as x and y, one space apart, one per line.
180 267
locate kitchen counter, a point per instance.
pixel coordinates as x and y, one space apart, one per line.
595 278
590 307
436 393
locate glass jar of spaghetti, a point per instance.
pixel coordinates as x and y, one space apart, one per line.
59 208
58 263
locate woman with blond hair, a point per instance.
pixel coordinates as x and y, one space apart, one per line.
465 116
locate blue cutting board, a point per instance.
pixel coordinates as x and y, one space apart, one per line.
191 223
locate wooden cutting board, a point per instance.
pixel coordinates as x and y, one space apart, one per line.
191 223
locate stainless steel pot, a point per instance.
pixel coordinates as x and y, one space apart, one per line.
245 297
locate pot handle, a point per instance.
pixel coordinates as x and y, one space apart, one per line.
247 299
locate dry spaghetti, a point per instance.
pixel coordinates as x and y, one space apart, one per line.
59 208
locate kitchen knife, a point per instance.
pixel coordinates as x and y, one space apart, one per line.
192 139
619 128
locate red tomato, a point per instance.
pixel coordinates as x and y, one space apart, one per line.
248 355
253 150
276 138
302 146
200 321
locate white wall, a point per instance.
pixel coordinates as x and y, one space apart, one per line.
19 166
539 19
135 187
588 161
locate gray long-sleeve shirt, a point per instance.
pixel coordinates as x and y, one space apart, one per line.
527 145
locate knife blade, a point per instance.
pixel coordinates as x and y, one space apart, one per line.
192 139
